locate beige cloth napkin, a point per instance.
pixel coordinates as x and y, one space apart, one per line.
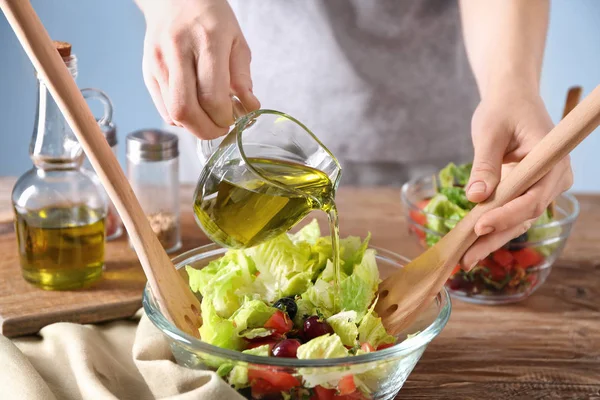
128 359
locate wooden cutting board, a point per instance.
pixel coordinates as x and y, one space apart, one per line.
25 309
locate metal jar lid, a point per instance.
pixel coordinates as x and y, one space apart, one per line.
152 145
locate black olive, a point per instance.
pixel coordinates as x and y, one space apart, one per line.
517 243
287 305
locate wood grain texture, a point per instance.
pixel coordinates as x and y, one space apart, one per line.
547 347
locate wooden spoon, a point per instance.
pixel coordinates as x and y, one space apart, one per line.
174 297
573 97
406 293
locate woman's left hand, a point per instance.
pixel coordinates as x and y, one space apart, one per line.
505 127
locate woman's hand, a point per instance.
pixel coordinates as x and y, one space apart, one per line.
505 127
195 57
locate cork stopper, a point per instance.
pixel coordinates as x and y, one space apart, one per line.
64 48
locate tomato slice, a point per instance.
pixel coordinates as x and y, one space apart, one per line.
527 257
455 270
280 322
422 204
419 218
346 385
385 346
493 271
366 347
282 381
261 388
503 257
324 393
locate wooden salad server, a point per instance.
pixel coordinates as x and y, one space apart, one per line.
410 290
174 297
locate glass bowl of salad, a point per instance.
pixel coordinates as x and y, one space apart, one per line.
433 205
272 328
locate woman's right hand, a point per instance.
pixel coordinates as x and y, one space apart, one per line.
195 57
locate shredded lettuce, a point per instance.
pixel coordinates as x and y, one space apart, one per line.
226 282
538 234
238 377
310 233
218 331
358 290
284 268
450 204
371 330
252 314
239 289
443 215
453 175
344 325
325 346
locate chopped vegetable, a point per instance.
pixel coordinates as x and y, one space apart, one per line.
277 300
507 270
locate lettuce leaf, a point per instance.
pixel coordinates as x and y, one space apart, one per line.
238 377
453 175
444 214
218 331
538 234
358 290
252 314
325 346
371 330
279 262
344 325
458 196
321 296
309 233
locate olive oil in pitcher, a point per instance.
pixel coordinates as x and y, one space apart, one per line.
266 175
244 214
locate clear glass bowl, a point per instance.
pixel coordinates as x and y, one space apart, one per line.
382 372
508 275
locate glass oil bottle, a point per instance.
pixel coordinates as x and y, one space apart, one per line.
60 210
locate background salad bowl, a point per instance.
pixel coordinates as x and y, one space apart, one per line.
370 374
433 205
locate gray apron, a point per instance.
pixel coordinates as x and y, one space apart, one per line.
385 84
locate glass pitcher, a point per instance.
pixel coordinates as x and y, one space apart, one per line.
266 175
114 225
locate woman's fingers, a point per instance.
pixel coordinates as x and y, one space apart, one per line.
529 206
213 89
488 243
182 96
152 66
241 81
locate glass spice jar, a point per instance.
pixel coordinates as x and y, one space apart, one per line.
153 171
114 225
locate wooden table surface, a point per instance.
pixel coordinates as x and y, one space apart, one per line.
546 347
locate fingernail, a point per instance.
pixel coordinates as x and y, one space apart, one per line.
477 187
486 230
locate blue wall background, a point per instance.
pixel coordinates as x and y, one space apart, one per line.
107 37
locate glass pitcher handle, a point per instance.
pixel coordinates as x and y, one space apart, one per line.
91 93
205 148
